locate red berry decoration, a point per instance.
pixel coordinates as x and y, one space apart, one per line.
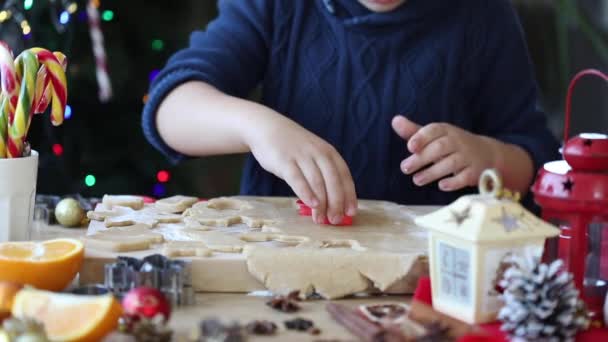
146 302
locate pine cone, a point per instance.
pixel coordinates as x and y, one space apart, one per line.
541 302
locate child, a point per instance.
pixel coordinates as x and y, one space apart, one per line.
335 75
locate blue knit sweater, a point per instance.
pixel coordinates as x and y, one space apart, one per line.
343 72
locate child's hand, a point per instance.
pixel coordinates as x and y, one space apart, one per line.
313 168
454 155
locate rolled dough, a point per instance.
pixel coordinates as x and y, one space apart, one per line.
330 272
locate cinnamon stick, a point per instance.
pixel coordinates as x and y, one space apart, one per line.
362 328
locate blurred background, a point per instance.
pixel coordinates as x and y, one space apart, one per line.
101 149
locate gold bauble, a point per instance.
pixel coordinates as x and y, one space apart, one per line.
69 213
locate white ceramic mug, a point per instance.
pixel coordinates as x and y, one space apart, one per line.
17 197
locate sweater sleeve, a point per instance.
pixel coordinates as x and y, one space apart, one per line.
230 55
506 99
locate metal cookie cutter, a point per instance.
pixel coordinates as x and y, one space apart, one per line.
171 277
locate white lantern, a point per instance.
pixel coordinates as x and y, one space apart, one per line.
470 243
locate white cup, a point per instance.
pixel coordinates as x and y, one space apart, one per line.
17 197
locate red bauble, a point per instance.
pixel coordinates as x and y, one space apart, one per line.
146 302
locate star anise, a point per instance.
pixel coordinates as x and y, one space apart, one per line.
285 303
261 328
299 324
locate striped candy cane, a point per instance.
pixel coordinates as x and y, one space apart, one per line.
52 73
9 95
101 67
26 67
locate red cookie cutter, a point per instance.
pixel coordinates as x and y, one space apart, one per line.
305 210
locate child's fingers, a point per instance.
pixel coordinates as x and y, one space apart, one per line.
461 180
404 127
451 164
350 194
315 180
298 183
425 136
432 153
335 192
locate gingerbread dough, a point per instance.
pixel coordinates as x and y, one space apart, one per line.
102 212
119 216
185 249
133 202
224 212
123 239
175 204
330 272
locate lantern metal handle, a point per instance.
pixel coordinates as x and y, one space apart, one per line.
587 72
490 184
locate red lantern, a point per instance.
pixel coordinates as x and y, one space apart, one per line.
573 195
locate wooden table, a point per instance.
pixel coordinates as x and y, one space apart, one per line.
242 308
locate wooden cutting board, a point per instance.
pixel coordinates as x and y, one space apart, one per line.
379 227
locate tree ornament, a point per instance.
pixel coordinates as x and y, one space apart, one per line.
541 302
146 302
69 212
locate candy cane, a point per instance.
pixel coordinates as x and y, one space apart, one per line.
43 85
26 67
9 95
53 77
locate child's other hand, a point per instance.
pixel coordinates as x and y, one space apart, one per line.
454 155
313 168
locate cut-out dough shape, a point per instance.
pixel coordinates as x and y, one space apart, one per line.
291 240
216 241
119 216
336 243
330 272
175 204
190 223
224 212
185 249
133 202
102 212
123 239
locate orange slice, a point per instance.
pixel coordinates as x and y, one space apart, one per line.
68 317
49 265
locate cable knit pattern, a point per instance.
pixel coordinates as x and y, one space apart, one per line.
343 72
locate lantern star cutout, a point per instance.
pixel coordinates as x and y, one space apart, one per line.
509 222
460 217
568 185
587 142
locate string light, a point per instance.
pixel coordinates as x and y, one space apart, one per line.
153 74
159 190
163 176
72 8
57 149
145 98
157 45
5 15
64 17
90 180
107 15
27 4
68 112
25 27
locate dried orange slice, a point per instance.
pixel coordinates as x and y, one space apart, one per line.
68 317
49 265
